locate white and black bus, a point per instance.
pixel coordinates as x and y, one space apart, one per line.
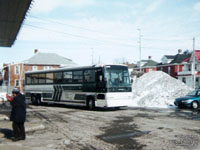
94 86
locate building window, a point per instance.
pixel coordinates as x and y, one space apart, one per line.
34 68
183 80
47 67
169 70
17 83
17 69
189 67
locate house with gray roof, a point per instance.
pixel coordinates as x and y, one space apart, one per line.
49 59
14 73
174 66
147 65
150 65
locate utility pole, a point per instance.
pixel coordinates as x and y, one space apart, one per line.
194 62
140 48
92 56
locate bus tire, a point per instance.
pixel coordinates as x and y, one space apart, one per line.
38 99
91 104
34 100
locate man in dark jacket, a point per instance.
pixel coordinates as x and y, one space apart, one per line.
18 114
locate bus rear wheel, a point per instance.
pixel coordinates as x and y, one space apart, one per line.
91 104
38 99
34 100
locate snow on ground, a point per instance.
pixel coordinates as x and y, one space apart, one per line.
157 89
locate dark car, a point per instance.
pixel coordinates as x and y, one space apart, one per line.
191 100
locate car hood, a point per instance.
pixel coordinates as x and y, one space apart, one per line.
184 98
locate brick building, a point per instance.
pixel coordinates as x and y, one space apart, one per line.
13 74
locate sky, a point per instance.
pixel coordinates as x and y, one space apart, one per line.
106 31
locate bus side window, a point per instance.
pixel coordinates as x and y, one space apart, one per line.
58 77
28 79
42 78
89 76
49 78
67 77
78 76
34 78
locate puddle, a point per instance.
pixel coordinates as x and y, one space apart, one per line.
125 135
122 133
187 114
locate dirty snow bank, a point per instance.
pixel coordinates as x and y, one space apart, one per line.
157 89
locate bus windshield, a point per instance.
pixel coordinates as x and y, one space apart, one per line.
117 76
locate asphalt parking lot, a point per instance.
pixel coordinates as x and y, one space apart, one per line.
63 127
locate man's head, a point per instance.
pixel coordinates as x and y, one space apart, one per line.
15 91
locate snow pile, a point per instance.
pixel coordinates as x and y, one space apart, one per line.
157 89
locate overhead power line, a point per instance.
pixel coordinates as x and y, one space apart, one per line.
78 27
79 36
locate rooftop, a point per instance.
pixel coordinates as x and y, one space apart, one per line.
180 57
50 59
150 63
170 56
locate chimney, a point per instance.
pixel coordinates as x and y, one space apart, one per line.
149 57
179 51
35 51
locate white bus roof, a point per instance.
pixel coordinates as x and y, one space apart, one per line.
74 68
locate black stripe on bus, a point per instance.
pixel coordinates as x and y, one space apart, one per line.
82 102
72 88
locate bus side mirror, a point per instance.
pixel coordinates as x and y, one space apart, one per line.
131 80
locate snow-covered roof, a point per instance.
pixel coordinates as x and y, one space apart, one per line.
49 59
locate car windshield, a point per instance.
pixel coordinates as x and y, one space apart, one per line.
117 76
194 93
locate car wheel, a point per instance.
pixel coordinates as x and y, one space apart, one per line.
195 105
181 106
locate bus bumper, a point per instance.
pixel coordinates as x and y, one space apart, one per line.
115 100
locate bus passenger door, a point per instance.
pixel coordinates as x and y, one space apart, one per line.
100 85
